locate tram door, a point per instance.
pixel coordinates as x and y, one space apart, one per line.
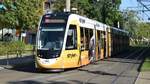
106 43
71 49
102 36
84 45
109 43
87 53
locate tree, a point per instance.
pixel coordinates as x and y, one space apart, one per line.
138 30
143 31
21 13
105 11
130 21
28 13
109 11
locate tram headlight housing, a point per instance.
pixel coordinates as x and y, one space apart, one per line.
56 55
40 56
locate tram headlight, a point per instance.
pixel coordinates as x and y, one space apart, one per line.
40 56
55 55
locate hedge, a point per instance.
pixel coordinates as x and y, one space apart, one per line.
6 47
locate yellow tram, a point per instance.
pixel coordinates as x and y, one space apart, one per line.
64 40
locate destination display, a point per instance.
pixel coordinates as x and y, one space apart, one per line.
47 20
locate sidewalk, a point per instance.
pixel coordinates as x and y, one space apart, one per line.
143 78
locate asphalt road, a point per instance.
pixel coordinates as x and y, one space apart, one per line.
121 69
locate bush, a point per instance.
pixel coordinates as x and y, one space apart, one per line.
13 46
3 48
18 45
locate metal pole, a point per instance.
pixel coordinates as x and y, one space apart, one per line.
2 34
67 5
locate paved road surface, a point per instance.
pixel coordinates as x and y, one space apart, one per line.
122 69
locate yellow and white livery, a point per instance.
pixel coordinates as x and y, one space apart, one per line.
63 41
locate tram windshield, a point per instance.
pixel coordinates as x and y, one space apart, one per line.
51 33
52 37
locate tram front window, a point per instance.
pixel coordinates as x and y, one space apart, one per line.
52 38
50 42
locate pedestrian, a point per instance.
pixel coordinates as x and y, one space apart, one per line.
92 49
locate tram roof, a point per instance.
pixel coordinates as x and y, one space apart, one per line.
86 22
119 31
58 15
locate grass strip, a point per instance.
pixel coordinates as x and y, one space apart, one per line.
146 64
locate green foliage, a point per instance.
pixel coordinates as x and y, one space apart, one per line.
6 47
102 10
8 20
23 14
28 12
59 5
143 30
139 31
136 28
3 48
130 21
146 64
18 45
29 47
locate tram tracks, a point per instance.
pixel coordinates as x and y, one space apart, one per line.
126 57
129 66
135 55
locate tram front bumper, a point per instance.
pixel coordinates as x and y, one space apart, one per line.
49 63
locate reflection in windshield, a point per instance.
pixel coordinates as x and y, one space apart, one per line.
52 38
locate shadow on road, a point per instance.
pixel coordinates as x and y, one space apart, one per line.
25 82
48 82
15 60
98 72
136 55
24 64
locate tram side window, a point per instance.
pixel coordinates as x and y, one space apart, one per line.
87 38
82 36
102 36
99 38
71 38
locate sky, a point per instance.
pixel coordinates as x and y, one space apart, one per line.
132 5
128 3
